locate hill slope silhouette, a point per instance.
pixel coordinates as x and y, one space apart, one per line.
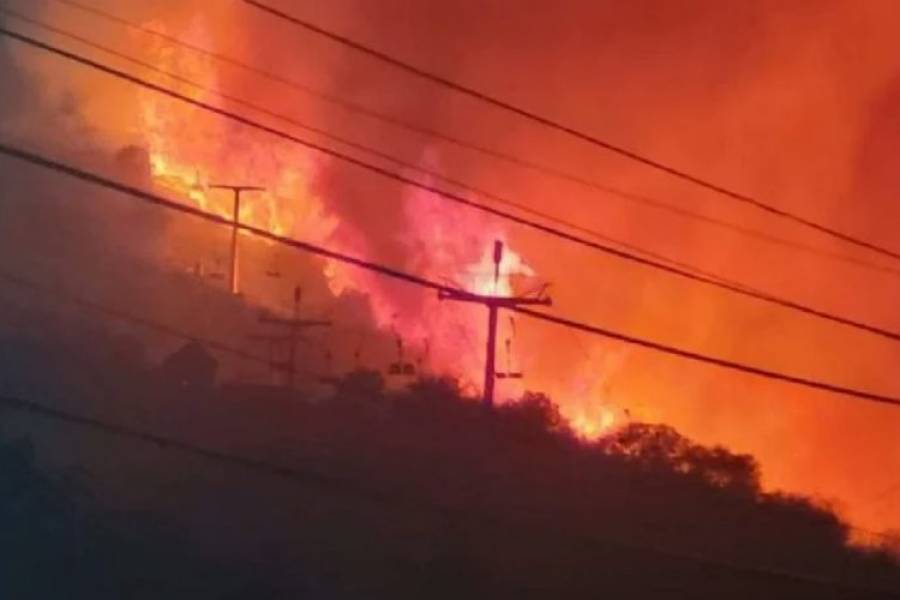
409 493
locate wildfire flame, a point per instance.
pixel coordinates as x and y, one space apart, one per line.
444 243
187 150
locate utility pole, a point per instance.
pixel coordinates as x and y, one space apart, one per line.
493 304
294 326
236 190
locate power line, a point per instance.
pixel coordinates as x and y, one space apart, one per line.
569 130
520 162
735 288
687 354
61 296
176 444
468 187
388 157
393 497
203 215
432 285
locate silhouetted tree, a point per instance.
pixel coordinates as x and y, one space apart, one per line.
660 446
533 413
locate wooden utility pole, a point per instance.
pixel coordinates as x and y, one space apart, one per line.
295 326
236 190
493 304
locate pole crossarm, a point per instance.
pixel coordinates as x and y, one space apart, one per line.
235 188
295 322
270 338
498 301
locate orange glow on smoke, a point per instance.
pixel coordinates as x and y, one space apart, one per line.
456 246
762 113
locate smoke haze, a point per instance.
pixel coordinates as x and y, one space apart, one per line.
794 104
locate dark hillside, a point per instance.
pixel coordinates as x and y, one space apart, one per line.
418 492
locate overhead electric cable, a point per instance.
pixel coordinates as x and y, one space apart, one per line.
382 155
173 205
570 130
737 289
60 295
467 145
705 358
404 276
392 497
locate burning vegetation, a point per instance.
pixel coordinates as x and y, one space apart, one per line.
396 362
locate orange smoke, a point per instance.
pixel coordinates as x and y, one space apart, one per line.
776 101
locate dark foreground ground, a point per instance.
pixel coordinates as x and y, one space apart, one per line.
255 493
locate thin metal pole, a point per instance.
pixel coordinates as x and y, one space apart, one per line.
234 242
295 334
490 360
